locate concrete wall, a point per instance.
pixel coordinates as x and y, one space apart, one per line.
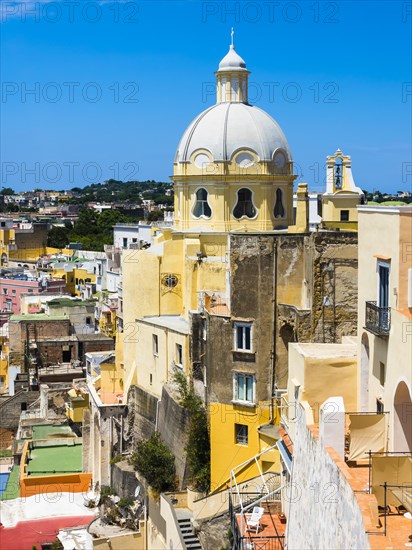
173 535
321 507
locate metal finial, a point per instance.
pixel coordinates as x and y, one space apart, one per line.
232 35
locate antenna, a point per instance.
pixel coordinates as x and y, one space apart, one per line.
232 36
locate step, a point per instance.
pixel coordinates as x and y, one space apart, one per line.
191 539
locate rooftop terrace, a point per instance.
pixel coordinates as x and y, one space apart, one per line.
55 459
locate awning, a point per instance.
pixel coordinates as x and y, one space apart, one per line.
367 433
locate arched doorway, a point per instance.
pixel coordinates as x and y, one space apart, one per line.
402 419
364 373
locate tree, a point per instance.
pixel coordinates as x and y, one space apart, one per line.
155 462
108 218
7 191
58 237
86 222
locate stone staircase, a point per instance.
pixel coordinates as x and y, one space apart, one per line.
185 526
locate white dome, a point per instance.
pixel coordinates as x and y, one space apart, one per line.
232 61
228 127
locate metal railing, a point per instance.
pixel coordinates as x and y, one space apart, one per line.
377 319
243 540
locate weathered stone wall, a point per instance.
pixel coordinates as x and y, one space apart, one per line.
124 480
252 261
31 239
173 426
214 533
335 278
36 329
323 512
11 408
140 422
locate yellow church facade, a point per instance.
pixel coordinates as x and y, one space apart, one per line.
233 173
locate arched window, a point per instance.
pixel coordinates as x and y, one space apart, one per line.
279 211
338 173
244 206
201 207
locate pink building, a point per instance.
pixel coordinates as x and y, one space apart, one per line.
13 286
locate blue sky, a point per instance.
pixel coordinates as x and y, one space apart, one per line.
114 85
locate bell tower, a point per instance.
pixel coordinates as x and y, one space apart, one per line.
342 196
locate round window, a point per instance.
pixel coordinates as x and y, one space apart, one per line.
202 160
244 160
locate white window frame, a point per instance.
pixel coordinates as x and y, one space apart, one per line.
244 216
155 343
236 398
241 325
386 265
202 216
177 348
244 438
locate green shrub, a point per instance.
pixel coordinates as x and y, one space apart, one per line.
125 502
155 462
106 491
198 441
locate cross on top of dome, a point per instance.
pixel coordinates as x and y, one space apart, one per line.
232 61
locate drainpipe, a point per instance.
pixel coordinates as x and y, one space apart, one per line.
275 316
157 414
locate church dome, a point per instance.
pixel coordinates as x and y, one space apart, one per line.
232 61
228 127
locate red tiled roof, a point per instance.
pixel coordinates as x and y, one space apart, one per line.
286 440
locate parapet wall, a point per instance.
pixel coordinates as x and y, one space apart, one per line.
322 509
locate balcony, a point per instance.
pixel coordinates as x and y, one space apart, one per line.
377 319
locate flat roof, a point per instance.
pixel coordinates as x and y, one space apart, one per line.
55 459
48 431
90 337
171 322
326 350
38 317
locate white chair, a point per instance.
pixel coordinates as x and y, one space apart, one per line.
254 521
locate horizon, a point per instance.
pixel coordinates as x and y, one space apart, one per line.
107 93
